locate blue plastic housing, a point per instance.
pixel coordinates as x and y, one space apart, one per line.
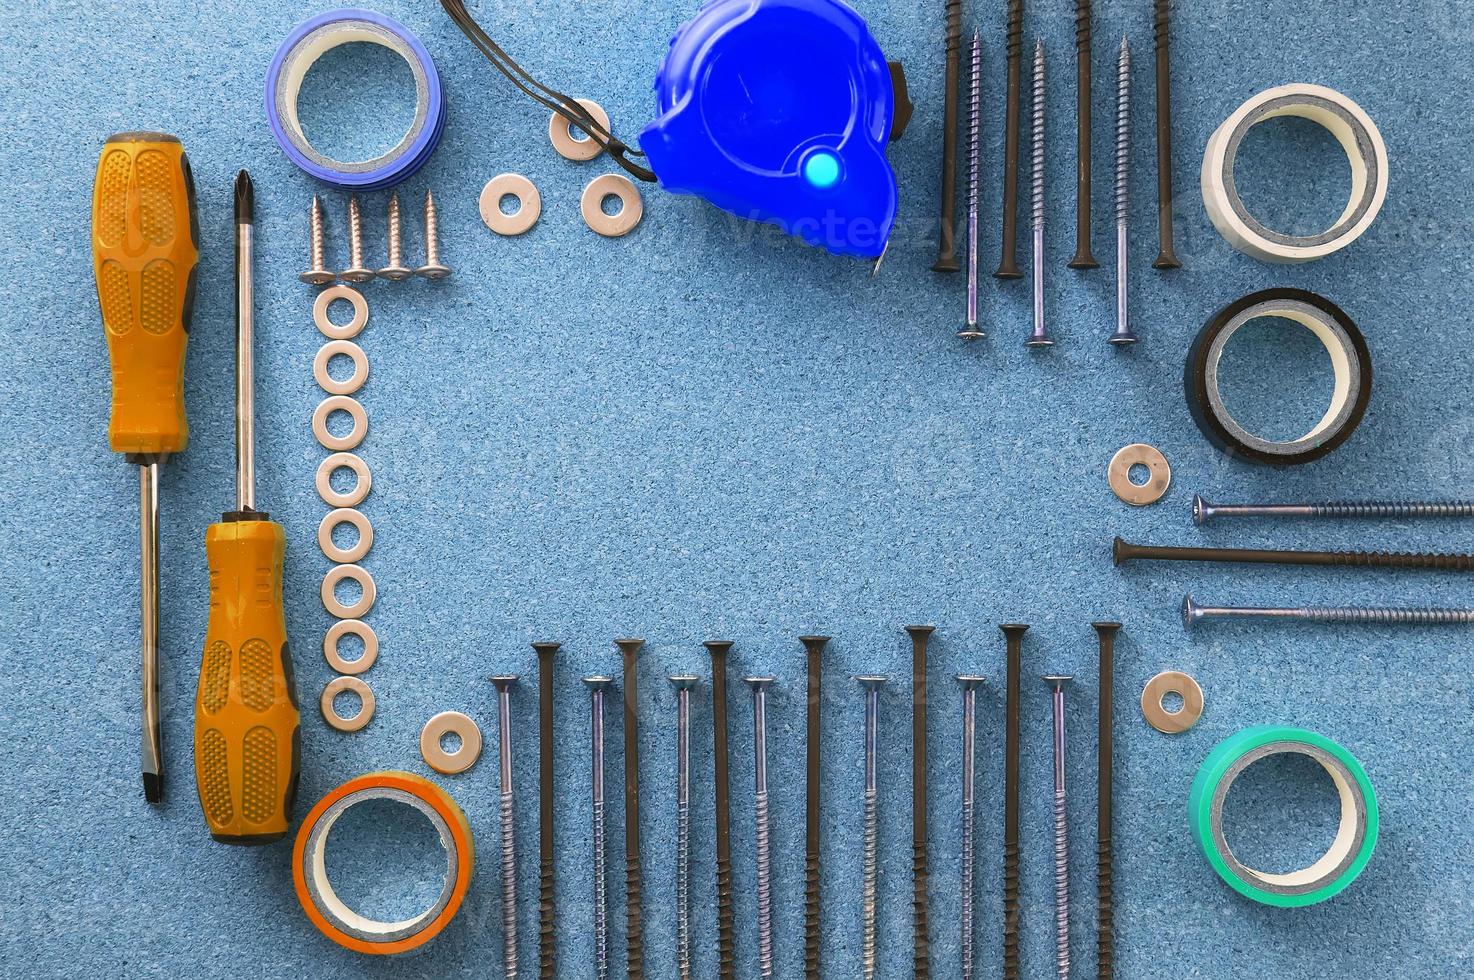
779 111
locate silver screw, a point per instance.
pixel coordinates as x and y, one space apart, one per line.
1203 512
1061 838
1040 337
683 683
760 806
974 123
318 274
356 271
396 270
1192 614
1123 335
597 687
509 831
432 269
970 685
871 872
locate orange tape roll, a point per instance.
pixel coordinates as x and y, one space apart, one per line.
329 913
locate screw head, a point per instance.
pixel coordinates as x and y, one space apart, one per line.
1191 612
759 683
598 682
1057 680
1202 510
970 681
547 648
504 681
433 271
1038 342
396 273
1124 339
871 682
356 274
719 646
316 277
684 682
971 333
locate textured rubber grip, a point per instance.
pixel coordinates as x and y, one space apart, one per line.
247 743
144 253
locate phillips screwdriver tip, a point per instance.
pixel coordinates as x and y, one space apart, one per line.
245 199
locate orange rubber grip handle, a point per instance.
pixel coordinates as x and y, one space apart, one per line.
247 731
145 236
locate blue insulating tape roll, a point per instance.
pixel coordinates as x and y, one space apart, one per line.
308 42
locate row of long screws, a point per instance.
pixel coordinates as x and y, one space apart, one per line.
1084 258
599 688
357 270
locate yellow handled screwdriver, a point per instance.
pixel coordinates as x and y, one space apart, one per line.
144 252
247 736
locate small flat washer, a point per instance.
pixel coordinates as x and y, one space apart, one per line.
348 385
1172 682
337 686
524 190
358 574
612 225
1154 489
450 723
339 403
336 331
560 133
350 627
349 498
345 515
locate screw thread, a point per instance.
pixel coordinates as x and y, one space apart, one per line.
1123 132
1395 508
509 885
355 234
954 26
635 929
683 889
1082 28
601 897
1161 22
920 874
867 901
1389 616
1433 561
1061 888
396 251
1015 28
1010 911
1105 940
432 231
967 889
317 234
1038 137
974 135
764 887
726 926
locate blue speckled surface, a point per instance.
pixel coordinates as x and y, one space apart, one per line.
703 430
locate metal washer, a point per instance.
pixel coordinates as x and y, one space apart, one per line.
1119 474
350 498
450 723
340 331
560 133
350 627
354 685
1172 722
518 186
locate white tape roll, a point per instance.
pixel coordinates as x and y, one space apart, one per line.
1343 119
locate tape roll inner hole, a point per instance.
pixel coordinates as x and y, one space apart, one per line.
1345 370
1292 174
1350 827
381 843
341 84
1348 131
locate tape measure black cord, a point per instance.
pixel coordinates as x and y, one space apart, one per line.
564 106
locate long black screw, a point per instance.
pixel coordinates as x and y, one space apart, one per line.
1124 552
633 882
1105 922
1015 637
919 865
1084 257
1167 251
947 242
812 935
1008 267
547 952
726 929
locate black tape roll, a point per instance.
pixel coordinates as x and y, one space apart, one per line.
1350 359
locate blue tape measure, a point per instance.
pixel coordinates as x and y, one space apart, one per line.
779 111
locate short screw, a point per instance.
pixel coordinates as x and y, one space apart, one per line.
974 123
1203 512
433 268
318 274
1123 335
763 831
1193 614
356 271
683 684
871 833
509 832
1057 683
396 270
1040 337
633 881
970 684
597 687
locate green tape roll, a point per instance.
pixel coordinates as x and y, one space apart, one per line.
1356 835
